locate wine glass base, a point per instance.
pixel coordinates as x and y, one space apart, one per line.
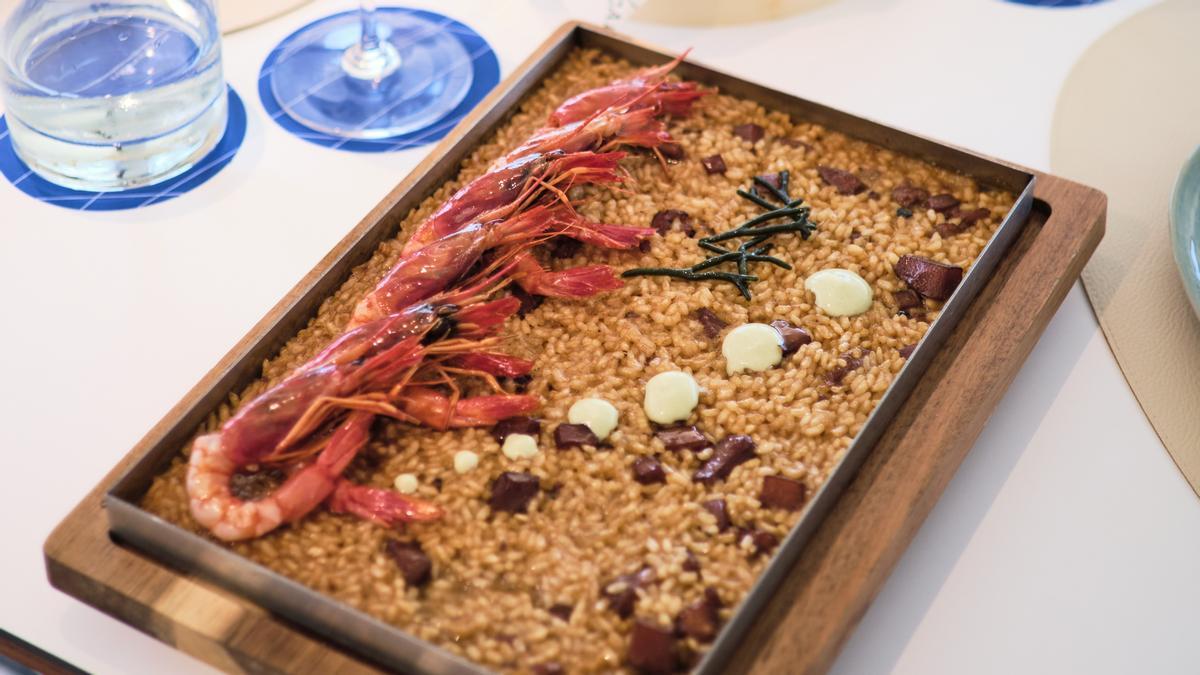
313 86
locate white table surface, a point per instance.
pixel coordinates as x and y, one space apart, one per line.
1066 543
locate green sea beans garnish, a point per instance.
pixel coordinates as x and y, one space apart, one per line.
756 247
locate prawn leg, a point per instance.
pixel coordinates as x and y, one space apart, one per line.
493 363
380 506
441 412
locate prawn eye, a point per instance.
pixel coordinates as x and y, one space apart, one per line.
445 311
444 328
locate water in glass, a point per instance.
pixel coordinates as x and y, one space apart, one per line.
107 96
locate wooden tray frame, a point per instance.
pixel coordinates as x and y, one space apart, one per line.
839 571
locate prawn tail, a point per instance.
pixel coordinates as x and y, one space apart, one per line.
677 98
634 91
577 282
483 319
604 235
383 507
640 128
583 168
663 97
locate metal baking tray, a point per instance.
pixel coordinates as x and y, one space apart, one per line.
388 645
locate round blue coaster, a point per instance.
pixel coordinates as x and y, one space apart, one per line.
24 179
1055 3
487 75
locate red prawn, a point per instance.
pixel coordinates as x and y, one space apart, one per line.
605 130
646 88
504 192
435 267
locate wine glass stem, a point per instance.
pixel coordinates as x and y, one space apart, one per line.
370 29
371 58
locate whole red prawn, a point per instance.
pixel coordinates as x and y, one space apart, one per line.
438 265
504 192
603 131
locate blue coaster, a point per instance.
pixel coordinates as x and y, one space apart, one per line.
487 75
24 179
1055 3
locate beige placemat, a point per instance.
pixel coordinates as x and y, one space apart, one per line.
1127 119
235 15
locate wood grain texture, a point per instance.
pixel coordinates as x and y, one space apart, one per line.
832 583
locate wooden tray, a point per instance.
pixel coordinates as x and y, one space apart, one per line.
837 573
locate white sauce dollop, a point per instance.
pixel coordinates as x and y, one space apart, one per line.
752 346
406 483
465 460
840 292
599 415
670 397
519 446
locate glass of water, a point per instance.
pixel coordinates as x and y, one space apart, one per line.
105 96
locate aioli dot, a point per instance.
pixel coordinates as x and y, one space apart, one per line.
406 483
519 446
599 415
840 292
670 397
752 346
465 460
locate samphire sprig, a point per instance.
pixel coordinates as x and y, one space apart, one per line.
756 247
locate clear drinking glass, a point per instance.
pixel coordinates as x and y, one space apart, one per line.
371 74
104 96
